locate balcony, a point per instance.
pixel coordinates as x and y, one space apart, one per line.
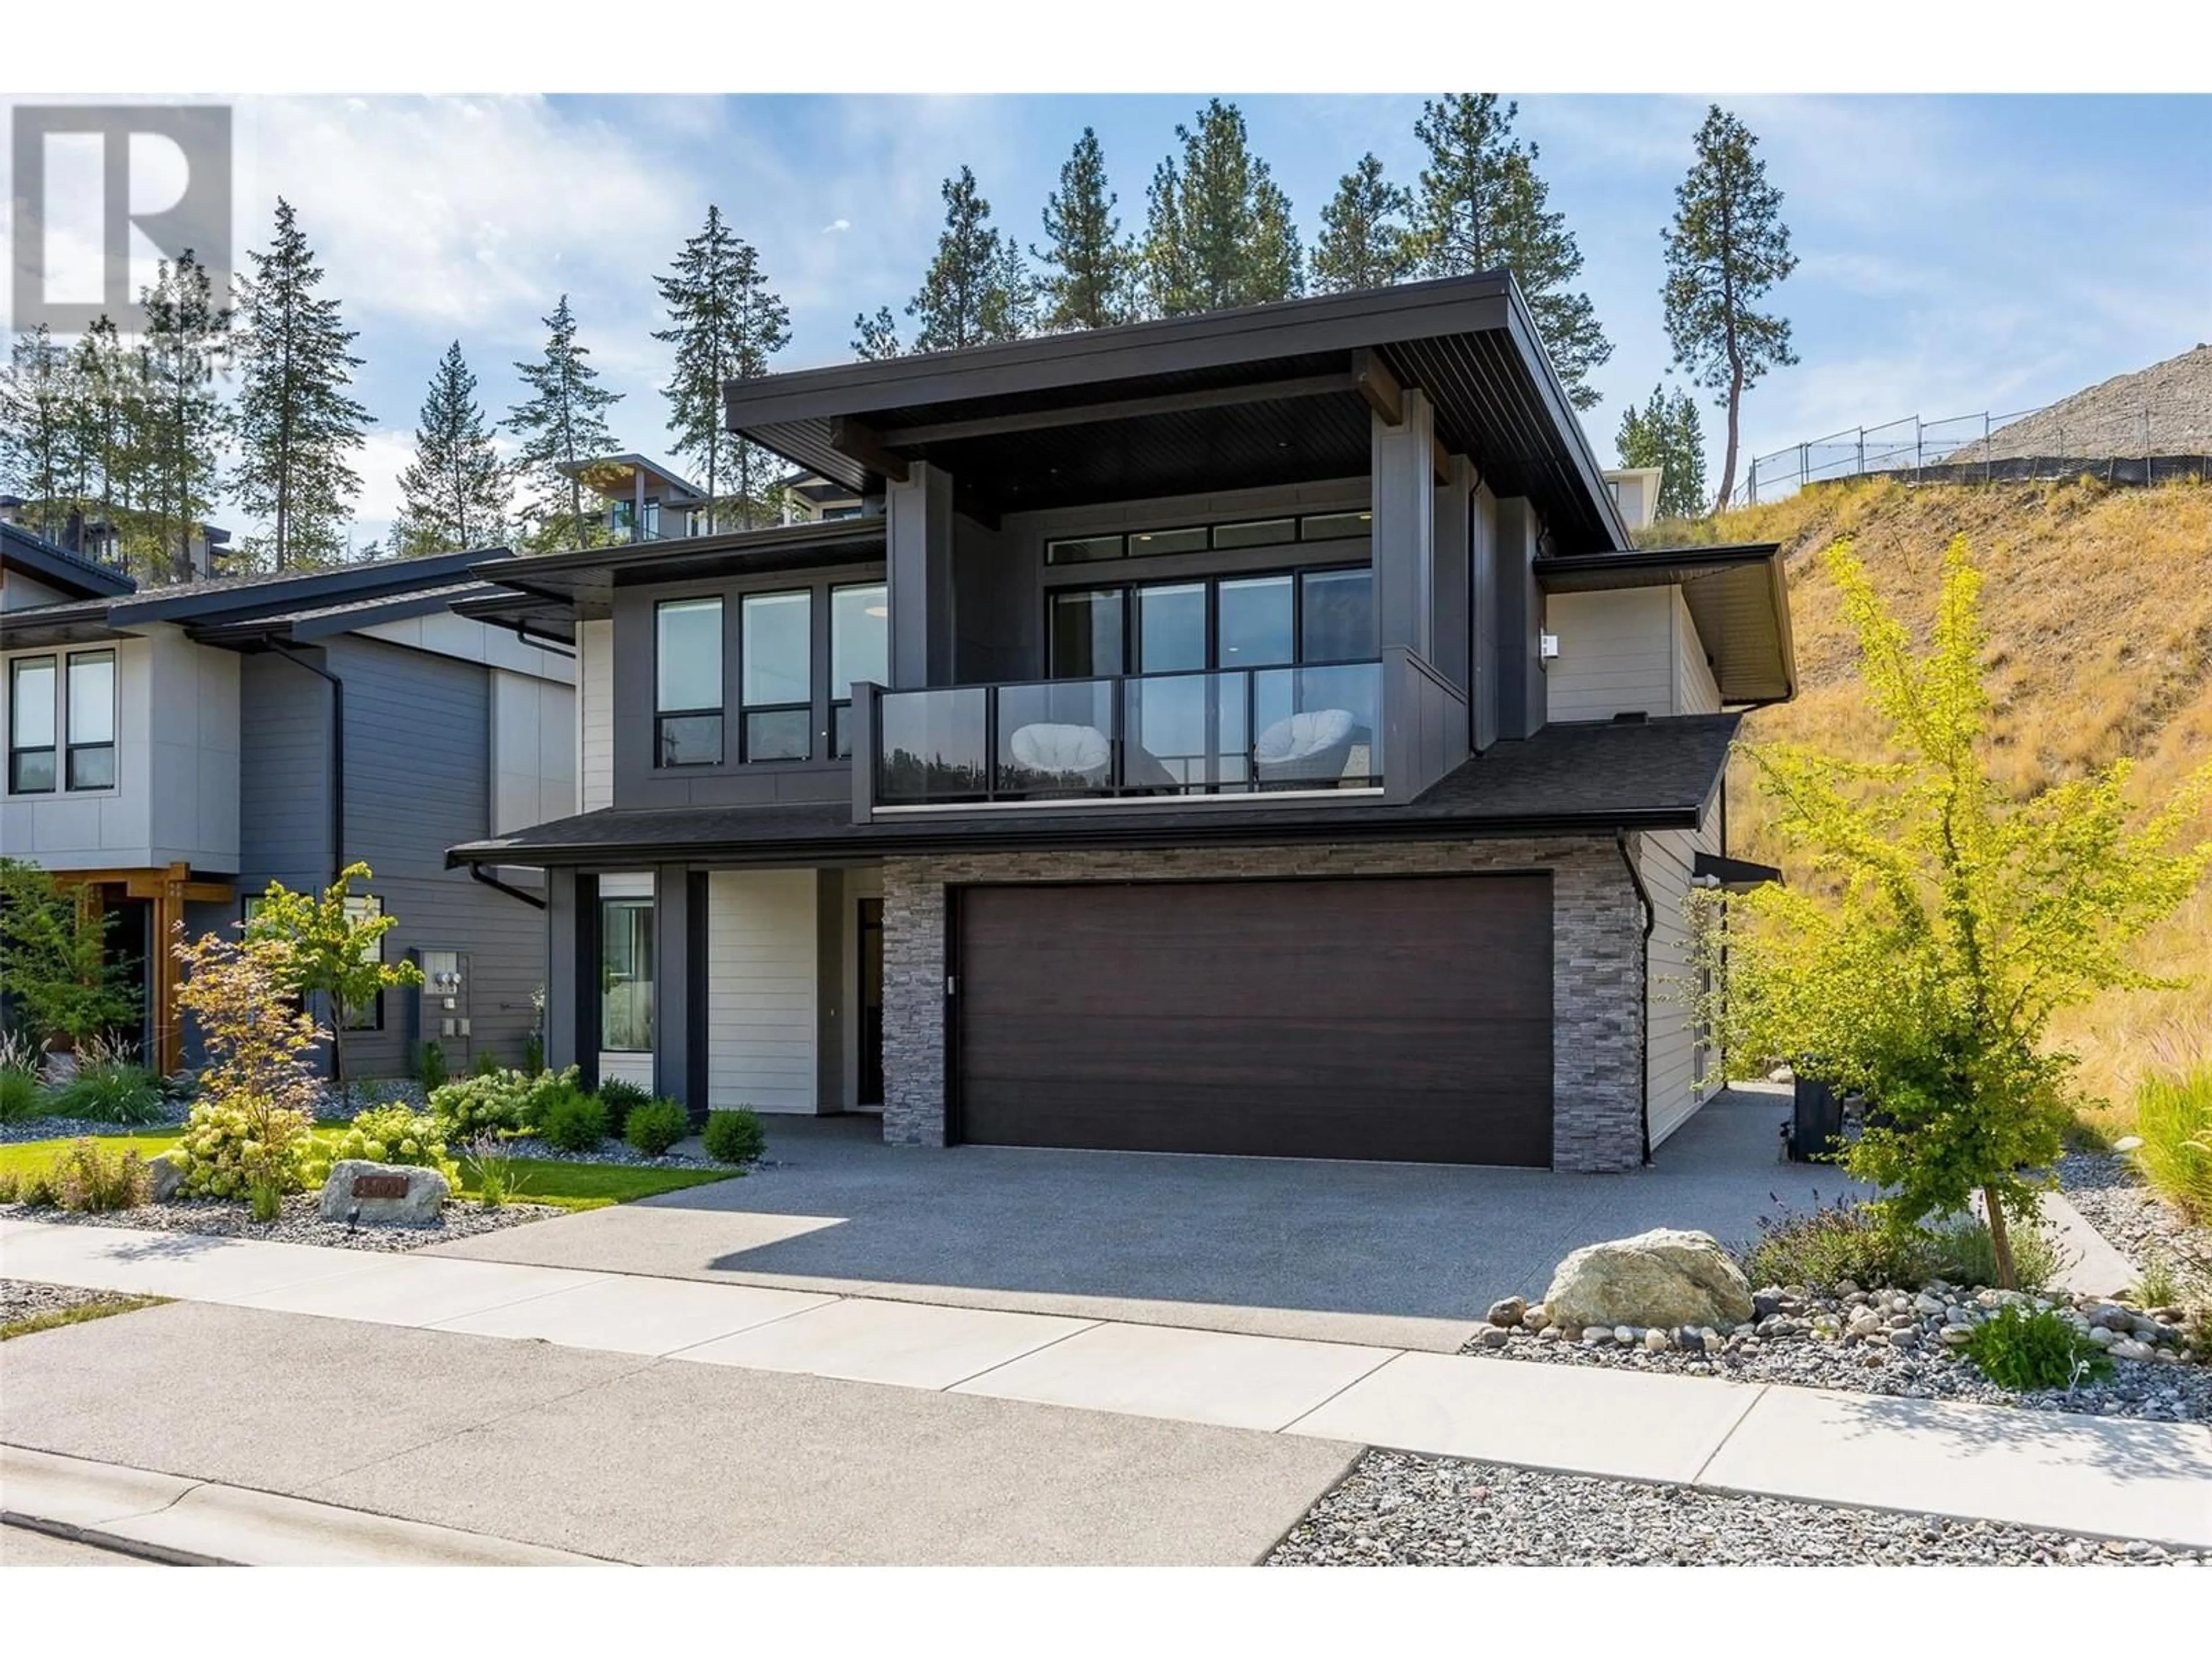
1328 730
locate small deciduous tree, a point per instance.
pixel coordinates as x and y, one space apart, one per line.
255 1107
332 944
1935 924
54 959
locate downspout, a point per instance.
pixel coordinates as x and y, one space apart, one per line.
1644 976
337 750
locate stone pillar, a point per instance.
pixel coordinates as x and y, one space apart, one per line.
1402 468
918 563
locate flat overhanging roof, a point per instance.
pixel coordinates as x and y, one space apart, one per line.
1738 596
1230 399
553 586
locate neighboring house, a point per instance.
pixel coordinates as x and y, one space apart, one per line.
176 750
645 502
810 498
1247 732
1636 493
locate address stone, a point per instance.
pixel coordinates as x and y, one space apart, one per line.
387 1194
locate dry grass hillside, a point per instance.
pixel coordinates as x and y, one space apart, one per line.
2099 604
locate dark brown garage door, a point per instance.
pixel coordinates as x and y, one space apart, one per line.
1378 1018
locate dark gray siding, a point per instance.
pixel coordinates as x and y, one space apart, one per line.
283 773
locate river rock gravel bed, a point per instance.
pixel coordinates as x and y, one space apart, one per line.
300 1224
169 1115
2112 1198
1398 1510
613 1151
24 1299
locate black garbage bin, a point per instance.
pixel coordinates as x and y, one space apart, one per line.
1816 1119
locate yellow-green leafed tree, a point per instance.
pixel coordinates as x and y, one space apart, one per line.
1934 922
332 944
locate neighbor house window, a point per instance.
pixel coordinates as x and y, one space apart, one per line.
626 976
360 907
688 682
31 726
91 705
860 649
776 657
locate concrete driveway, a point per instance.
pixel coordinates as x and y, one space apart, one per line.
1400 1255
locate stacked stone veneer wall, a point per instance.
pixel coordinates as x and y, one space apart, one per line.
1597 990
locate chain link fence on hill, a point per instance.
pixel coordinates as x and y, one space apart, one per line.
2142 445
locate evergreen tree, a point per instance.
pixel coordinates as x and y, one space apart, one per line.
110 419
1727 246
725 325
1090 262
1364 239
977 289
561 425
185 422
1481 206
38 429
456 494
297 426
876 338
1667 433
1218 232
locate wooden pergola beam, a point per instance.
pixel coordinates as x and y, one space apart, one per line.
1372 378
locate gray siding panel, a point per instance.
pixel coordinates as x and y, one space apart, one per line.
284 774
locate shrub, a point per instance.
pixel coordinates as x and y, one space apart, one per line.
486 1065
499 1177
622 1097
383 1134
1966 1255
735 1137
541 1088
1841 1240
572 1122
35 1190
108 1088
84 1178
2018 1349
656 1126
2173 1119
22 1097
431 1068
255 1115
2160 1286
498 1101
534 1053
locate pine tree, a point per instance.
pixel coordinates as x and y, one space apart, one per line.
457 493
876 338
1217 231
109 441
561 425
977 289
1727 246
1364 239
1667 433
1481 206
1090 264
188 339
296 424
38 429
725 326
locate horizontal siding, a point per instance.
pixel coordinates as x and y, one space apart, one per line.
1674 1062
1616 653
595 715
1695 691
762 990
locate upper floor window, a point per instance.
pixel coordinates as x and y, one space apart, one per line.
688 682
1308 618
1199 539
860 649
776 658
91 705
33 718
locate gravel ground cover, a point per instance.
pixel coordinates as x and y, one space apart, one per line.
300 1224
613 1151
1398 1510
171 1115
24 1299
2112 1198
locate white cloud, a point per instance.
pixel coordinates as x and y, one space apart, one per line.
836 225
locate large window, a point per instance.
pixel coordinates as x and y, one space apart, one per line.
1087 633
91 720
860 649
626 976
33 718
776 657
688 682
1314 617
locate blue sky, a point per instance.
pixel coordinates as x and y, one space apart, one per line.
1958 253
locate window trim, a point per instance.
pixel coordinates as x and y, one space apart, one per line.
718 712
1131 614
71 747
651 979
52 661
746 709
840 708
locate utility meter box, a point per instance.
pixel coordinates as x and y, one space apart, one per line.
443 1001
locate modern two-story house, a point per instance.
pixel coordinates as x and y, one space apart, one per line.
1248 732
173 751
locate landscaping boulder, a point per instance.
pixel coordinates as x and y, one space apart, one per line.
164 1175
387 1194
1662 1277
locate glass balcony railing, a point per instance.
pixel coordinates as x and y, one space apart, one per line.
1236 732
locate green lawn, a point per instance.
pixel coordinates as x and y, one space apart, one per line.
543 1180
54 1318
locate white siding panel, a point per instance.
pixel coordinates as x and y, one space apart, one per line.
1674 1063
1695 691
630 1068
533 750
1616 653
595 715
762 990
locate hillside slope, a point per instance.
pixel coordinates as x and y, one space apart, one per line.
2164 409
2099 604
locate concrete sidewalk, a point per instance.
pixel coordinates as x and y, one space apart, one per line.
2102 1476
